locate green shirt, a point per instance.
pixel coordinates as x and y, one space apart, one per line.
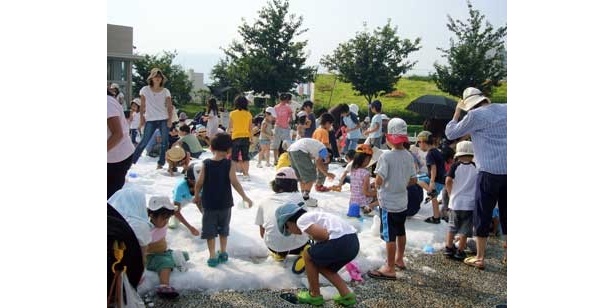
193 143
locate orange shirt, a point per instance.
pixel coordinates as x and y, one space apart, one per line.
321 135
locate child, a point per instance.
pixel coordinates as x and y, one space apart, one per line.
135 120
310 122
159 258
302 124
461 186
394 172
189 142
374 132
434 181
307 156
353 129
183 193
175 157
213 192
448 154
240 127
322 134
285 187
360 190
336 245
266 136
345 177
284 159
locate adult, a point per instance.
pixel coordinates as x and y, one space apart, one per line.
119 146
156 112
486 125
282 124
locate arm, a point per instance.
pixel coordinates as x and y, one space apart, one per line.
142 123
366 189
371 130
317 232
197 188
115 126
320 166
455 129
432 180
343 177
379 181
180 217
262 231
167 102
449 185
237 186
412 181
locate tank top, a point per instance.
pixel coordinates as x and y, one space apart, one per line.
216 193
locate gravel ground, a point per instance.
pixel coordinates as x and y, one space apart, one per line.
429 281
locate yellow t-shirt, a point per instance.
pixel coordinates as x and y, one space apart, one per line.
241 121
321 135
283 161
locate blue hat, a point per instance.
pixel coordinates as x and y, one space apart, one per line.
283 213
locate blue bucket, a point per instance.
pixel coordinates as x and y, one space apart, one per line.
354 210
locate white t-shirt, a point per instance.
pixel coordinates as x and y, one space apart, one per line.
124 148
464 186
265 217
136 120
155 107
376 119
336 226
307 145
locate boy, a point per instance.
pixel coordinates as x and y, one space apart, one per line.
175 157
311 119
394 172
461 186
374 132
183 193
433 183
189 142
159 258
336 245
213 192
322 134
307 156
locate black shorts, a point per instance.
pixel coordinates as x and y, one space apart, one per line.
334 254
392 225
241 145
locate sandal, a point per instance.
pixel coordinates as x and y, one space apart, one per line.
213 262
376 274
475 262
349 300
222 257
306 298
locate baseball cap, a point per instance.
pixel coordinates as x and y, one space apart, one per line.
157 202
285 212
271 111
464 148
286 173
397 131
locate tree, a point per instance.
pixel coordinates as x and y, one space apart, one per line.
225 83
372 62
177 80
268 60
477 58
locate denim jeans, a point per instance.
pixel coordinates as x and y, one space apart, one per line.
133 135
150 127
351 144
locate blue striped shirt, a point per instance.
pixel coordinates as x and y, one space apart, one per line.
487 127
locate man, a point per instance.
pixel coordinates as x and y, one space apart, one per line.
486 124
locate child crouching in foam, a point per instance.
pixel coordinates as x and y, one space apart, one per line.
159 258
336 245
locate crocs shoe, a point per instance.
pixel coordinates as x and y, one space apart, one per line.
213 262
349 300
222 257
306 298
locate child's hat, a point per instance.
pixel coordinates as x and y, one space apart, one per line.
176 154
201 129
364 148
285 212
397 131
354 109
464 148
286 173
158 202
424 135
271 111
183 116
137 101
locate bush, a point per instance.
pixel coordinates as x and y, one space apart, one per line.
396 93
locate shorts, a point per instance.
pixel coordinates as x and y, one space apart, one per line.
392 225
334 254
304 168
156 262
264 141
461 222
426 179
215 222
240 145
279 135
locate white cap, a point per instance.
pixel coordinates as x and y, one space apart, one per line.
271 111
158 202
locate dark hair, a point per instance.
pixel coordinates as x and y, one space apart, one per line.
138 107
377 105
344 108
326 118
296 215
406 145
185 128
221 142
127 114
241 102
285 96
320 111
151 81
301 120
284 185
447 153
164 212
212 104
307 103
351 154
359 159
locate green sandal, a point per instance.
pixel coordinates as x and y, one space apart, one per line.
212 262
349 300
222 257
306 298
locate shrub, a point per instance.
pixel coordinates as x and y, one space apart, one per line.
396 93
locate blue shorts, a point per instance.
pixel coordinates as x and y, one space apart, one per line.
426 179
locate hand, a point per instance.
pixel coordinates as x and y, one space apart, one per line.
459 102
432 186
197 199
248 202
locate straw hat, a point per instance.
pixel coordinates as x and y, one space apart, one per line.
155 71
471 97
176 154
137 101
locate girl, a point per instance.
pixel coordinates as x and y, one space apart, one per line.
135 120
240 126
212 118
265 137
302 124
360 190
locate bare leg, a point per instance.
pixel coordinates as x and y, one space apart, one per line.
463 240
211 246
389 267
165 276
312 275
481 245
400 249
336 280
276 154
223 240
436 207
245 166
449 239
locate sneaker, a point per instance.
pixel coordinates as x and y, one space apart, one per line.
349 300
460 255
432 220
311 202
305 297
449 251
166 291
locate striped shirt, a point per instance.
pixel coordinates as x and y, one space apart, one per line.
487 127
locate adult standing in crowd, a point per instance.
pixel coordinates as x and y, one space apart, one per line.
486 124
119 146
284 115
156 112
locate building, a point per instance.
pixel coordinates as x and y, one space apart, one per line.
120 58
197 84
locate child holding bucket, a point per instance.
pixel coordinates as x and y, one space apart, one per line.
360 191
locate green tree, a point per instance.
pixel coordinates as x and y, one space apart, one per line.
372 62
476 58
226 83
177 80
269 59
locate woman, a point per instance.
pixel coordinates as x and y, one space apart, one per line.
156 112
119 146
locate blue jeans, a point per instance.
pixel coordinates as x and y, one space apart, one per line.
133 135
351 144
150 127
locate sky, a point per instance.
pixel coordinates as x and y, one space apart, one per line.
249 266
198 29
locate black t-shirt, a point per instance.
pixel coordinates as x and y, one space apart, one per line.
216 194
434 157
